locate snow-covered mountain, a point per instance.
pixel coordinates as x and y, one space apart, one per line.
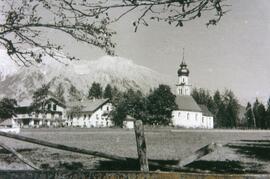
21 82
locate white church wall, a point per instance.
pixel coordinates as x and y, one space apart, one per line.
187 119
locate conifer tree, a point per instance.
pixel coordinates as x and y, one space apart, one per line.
267 115
95 91
259 114
108 92
249 116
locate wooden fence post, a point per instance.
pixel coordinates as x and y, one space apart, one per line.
141 145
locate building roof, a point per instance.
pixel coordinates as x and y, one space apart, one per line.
205 110
187 103
129 118
88 105
6 122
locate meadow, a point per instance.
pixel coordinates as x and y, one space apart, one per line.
249 149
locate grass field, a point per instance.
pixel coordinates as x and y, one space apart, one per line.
249 151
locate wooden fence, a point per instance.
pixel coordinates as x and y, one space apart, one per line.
142 160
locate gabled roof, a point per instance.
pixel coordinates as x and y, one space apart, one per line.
56 101
205 110
88 105
6 122
187 103
129 118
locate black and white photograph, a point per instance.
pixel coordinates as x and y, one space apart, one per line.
134 89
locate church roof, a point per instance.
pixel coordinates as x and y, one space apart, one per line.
205 110
187 103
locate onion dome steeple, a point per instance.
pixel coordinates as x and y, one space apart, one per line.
183 70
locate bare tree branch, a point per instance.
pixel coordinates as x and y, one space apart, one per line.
24 22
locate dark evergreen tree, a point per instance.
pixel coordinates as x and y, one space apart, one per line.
95 91
203 96
7 108
108 92
249 116
259 114
267 115
218 109
160 104
231 109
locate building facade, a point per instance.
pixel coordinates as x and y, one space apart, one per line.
189 114
53 114
89 113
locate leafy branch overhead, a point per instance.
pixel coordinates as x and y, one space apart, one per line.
24 23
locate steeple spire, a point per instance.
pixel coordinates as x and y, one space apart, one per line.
183 58
183 86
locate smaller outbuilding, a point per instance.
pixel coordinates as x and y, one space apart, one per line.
128 123
9 125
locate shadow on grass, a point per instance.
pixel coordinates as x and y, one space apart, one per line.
235 167
212 166
259 149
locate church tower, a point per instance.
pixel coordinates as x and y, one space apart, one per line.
183 87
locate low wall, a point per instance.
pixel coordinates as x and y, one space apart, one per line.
121 175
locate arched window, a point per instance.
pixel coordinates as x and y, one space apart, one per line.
196 116
179 114
187 116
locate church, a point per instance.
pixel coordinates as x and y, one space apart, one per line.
189 114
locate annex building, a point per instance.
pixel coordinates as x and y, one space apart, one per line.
189 114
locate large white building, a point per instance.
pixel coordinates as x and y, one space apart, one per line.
87 113
53 114
189 114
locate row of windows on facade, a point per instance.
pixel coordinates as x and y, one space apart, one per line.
84 116
101 123
196 116
181 91
36 115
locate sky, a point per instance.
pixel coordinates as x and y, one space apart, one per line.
234 54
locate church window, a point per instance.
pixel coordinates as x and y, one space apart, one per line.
196 116
181 91
187 116
179 114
